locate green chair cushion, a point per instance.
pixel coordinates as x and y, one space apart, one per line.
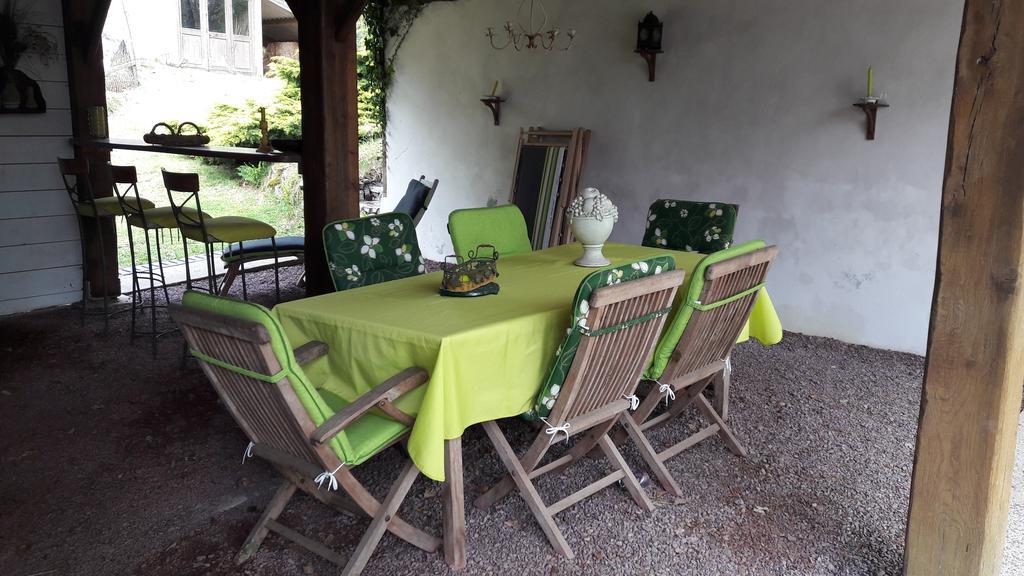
230 229
704 227
355 444
580 309
368 434
681 315
502 226
372 250
110 206
163 217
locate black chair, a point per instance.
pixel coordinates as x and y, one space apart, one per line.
417 198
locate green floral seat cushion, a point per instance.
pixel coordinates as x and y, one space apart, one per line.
372 250
704 227
580 308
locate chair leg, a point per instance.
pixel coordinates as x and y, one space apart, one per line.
259 532
723 430
721 388
650 456
103 272
135 281
380 522
160 263
277 271
527 490
229 278
629 479
210 271
529 461
188 268
241 272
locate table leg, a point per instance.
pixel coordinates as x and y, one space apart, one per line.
454 506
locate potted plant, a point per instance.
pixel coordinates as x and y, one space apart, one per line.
19 92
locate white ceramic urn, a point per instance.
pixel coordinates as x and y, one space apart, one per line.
592 218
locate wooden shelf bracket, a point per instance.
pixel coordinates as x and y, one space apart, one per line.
871 111
494 103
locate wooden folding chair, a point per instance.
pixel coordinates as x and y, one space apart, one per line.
621 327
722 292
313 444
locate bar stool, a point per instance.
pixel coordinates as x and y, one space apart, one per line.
198 226
126 188
75 174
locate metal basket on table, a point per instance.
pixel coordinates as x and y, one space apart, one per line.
473 276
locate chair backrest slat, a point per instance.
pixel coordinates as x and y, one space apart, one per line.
623 329
710 334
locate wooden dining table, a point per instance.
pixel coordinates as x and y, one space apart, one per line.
487 356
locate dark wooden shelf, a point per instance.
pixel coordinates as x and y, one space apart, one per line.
871 111
494 103
241 154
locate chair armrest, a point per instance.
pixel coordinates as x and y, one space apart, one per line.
381 395
310 351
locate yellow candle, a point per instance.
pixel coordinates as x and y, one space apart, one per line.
494 90
869 81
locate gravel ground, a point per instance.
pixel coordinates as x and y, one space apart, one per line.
118 463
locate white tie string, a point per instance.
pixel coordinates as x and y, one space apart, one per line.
248 451
634 401
667 390
325 476
554 430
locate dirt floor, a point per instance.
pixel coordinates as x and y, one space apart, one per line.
116 462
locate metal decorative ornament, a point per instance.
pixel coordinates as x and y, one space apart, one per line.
530 30
468 278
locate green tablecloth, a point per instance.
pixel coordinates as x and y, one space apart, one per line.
486 356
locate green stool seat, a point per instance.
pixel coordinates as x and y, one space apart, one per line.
110 206
504 227
162 217
230 229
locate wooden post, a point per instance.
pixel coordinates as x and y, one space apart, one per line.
972 390
83 28
330 123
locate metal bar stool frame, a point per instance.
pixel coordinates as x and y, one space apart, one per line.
131 205
188 184
84 203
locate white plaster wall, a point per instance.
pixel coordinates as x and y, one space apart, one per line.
753 105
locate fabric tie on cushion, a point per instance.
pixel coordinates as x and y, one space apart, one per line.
248 451
667 390
554 430
634 401
325 476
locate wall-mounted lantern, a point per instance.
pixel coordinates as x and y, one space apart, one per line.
648 42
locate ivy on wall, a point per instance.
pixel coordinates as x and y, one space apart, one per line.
388 22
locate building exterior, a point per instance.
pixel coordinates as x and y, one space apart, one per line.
217 35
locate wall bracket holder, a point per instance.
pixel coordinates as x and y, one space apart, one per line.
651 57
870 109
494 103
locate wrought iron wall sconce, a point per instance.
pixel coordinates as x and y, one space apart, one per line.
870 104
648 42
494 103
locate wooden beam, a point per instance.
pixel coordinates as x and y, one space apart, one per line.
975 365
330 124
83 27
